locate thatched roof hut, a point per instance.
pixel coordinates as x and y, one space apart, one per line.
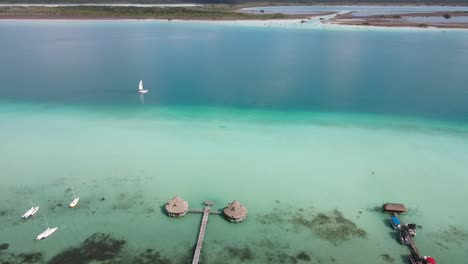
235 212
394 208
177 206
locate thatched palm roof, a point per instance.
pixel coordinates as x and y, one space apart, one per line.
235 210
177 205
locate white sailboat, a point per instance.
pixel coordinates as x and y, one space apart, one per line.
75 199
48 232
32 211
140 88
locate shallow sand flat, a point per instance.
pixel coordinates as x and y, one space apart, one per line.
286 24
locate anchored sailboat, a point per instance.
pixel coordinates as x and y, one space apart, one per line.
48 232
140 88
32 211
75 199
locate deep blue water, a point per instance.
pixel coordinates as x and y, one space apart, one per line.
411 73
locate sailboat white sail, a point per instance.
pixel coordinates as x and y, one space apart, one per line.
48 232
75 199
141 90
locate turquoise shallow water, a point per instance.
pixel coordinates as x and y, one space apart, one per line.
294 154
278 167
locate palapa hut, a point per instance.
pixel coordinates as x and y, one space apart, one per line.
177 207
235 212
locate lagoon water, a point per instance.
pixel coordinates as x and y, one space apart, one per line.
309 129
363 10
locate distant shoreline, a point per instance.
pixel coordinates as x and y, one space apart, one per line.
238 3
231 14
278 23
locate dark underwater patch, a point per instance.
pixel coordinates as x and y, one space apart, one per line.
151 256
276 216
387 258
303 256
4 246
242 253
97 247
451 235
21 258
333 226
126 202
280 257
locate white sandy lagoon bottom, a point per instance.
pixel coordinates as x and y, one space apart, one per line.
306 178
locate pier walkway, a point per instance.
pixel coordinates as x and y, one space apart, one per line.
201 234
412 244
413 247
201 211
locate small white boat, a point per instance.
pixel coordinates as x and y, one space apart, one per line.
75 200
48 232
30 212
140 88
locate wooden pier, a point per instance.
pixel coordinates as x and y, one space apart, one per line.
201 211
413 247
177 207
412 244
201 234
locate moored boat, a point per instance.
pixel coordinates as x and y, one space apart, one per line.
404 236
430 260
31 212
395 222
415 259
48 232
411 228
75 200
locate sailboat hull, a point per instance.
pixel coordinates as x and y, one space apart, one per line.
143 91
48 232
30 212
74 202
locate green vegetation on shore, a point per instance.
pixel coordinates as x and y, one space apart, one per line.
200 13
247 2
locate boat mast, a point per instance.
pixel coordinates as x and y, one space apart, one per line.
73 190
47 223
